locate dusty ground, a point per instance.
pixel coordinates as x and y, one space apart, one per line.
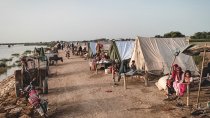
77 92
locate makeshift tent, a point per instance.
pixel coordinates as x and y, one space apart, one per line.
121 50
106 46
157 54
113 52
83 45
91 48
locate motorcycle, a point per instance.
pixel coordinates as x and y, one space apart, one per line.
39 104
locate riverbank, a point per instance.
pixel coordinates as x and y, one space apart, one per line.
6 85
9 58
10 106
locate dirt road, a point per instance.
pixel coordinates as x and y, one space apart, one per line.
77 92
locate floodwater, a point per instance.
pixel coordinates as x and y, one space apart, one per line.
6 52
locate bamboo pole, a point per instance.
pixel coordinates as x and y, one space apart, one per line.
188 94
39 73
22 76
199 89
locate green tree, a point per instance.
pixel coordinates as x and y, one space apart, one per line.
173 34
158 36
201 35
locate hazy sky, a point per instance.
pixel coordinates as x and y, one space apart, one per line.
47 20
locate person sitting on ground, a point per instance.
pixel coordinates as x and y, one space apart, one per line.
132 69
187 80
133 66
179 78
169 84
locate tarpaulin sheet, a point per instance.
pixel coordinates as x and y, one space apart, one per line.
125 49
158 54
113 52
92 47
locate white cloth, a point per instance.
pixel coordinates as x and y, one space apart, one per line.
153 54
125 49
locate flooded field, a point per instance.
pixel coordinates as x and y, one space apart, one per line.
6 53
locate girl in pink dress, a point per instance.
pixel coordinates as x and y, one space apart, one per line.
187 80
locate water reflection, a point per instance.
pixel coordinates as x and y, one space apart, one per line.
6 52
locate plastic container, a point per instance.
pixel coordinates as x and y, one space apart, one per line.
107 71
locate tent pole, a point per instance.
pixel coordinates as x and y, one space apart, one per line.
188 94
199 89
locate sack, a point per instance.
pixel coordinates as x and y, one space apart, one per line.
162 82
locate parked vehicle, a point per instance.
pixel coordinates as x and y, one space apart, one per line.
31 94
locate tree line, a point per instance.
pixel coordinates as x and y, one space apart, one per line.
175 34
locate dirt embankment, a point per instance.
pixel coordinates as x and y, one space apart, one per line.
10 106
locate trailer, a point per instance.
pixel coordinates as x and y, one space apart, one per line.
34 68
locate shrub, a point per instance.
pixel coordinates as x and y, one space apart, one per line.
3 64
4 60
15 55
2 70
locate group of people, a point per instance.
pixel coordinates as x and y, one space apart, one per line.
100 58
78 50
177 83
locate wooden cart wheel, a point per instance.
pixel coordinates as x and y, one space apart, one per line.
45 86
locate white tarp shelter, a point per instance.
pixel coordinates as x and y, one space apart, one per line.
157 54
125 49
92 46
121 50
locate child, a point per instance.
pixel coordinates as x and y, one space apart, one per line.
133 66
